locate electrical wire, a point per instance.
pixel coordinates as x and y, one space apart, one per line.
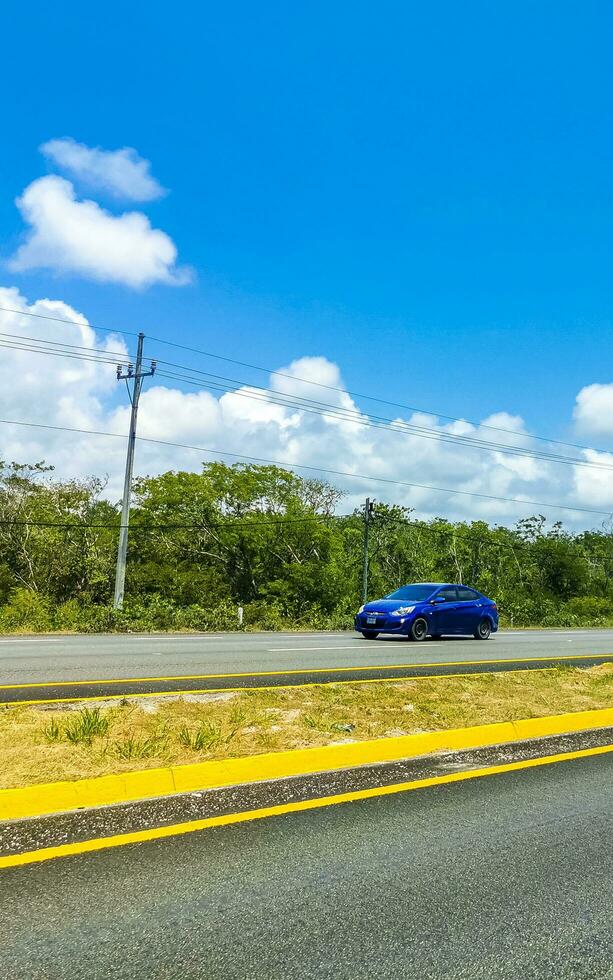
311 406
251 524
294 378
332 411
73 323
60 343
315 469
481 539
205 526
65 354
391 425
356 394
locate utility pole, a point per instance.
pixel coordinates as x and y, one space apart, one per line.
135 375
369 509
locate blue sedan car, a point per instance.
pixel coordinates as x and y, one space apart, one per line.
429 609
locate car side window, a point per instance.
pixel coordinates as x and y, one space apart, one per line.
467 595
449 594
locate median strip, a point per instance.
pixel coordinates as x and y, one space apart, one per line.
150 745
50 798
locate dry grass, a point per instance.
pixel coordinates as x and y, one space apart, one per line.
46 745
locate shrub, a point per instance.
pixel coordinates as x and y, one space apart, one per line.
26 611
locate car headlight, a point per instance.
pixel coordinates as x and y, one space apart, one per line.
361 609
403 611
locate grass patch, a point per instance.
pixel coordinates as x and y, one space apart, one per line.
39 745
135 747
88 724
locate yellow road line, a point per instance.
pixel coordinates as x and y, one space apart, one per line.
304 670
177 830
262 687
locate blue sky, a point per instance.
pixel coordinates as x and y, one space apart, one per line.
420 193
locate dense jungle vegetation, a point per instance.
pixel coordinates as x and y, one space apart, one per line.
259 537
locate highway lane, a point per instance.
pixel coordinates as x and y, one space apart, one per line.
493 878
64 658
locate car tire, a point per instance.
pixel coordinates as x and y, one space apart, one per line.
370 634
419 630
483 630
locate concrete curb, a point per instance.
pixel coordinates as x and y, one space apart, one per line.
47 798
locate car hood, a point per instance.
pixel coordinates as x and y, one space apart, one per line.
389 605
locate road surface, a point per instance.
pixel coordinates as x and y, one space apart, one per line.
206 662
493 878
55 658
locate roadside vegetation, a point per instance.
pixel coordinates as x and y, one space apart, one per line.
258 537
44 745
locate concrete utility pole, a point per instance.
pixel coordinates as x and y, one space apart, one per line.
135 375
369 509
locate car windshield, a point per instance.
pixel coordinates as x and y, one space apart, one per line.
414 593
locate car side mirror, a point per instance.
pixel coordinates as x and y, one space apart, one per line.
436 601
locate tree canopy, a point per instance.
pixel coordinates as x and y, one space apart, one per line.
273 542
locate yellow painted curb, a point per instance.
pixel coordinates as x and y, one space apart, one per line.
46 798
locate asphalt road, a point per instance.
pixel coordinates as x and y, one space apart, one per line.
490 879
36 659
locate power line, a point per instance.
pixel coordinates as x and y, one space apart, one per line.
482 539
251 524
356 394
322 409
61 343
294 378
73 323
377 422
205 526
303 404
60 353
316 469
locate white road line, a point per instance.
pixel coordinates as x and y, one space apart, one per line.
167 639
310 649
531 637
203 636
32 639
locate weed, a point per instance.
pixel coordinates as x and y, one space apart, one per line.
238 715
231 735
52 731
133 747
85 726
207 736
319 723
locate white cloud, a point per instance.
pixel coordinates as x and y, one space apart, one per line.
122 172
71 236
53 390
594 487
84 395
593 412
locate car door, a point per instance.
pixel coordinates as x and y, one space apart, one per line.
468 612
445 610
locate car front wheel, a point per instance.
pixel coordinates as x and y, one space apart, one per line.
370 634
419 630
483 630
